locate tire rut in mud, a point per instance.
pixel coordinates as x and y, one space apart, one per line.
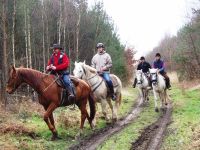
98 137
152 137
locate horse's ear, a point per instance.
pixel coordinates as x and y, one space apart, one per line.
84 62
75 62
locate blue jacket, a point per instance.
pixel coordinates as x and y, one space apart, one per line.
159 64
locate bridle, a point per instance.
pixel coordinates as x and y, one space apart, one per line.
156 78
95 85
141 79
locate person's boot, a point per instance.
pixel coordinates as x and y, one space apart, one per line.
113 96
71 96
168 84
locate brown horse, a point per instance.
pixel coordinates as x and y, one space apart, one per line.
49 94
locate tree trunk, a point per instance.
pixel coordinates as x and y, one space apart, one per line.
29 39
43 37
5 37
13 30
25 34
77 35
60 18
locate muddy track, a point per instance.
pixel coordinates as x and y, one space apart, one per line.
152 137
97 138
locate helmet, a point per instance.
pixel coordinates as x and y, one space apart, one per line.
158 55
100 45
55 46
142 58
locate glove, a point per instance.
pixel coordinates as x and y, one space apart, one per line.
48 67
103 68
53 67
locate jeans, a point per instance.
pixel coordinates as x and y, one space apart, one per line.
67 83
106 77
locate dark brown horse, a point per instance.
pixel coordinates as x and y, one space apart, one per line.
49 94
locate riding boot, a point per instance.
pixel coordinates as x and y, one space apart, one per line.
167 81
71 96
112 91
134 84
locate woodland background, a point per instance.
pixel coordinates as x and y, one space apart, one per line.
28 28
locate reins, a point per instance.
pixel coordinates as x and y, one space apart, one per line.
51 84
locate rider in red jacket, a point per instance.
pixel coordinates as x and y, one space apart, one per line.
58 64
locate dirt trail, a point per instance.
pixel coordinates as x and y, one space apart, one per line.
97 138
152 137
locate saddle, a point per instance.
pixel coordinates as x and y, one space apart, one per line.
64 93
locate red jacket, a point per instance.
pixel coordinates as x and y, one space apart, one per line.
65 61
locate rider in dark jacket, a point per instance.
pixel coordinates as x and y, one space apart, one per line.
159 64
144 65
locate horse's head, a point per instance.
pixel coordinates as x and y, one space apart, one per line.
154 76
139 76
82 71
79 70
14 81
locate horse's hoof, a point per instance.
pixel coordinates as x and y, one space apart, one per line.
156 110
147 98
92 126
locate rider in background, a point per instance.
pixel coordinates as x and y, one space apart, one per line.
144 66
102 62
58 64
159 64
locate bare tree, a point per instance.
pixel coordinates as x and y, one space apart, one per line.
43 37
25 34
29 39
5 38
13 30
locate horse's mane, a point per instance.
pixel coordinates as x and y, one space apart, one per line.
31 74
91 68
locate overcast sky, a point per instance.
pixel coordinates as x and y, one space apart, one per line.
143 23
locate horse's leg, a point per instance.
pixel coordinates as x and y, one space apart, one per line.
141 94
155 100
84 115
166 97
147 94
161 95
116 106
47 115
111 107
144 95
103 106
51 118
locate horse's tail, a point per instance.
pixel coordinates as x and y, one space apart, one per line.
92 106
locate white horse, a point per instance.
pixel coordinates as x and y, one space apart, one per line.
159 88
99 87
142 85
